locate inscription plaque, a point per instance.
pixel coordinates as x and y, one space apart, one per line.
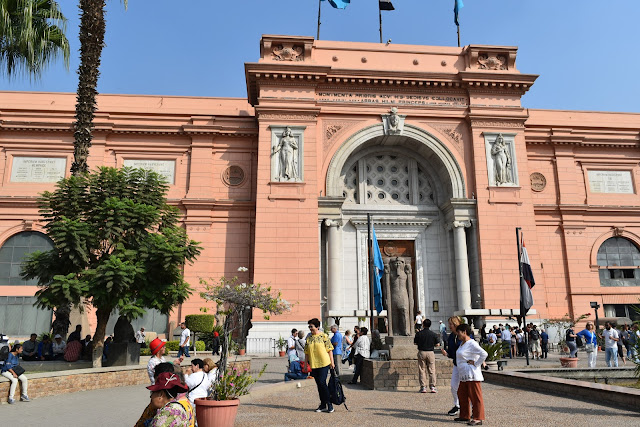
166 168
38 169
610 182
538 181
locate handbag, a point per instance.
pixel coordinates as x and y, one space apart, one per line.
590 348
18 370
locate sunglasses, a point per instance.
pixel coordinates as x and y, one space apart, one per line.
312 327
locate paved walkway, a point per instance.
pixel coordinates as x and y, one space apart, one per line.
123 405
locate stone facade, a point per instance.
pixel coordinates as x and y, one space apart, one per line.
401 375
409 137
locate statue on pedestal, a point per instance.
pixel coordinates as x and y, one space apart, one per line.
398 283
287 149
501 161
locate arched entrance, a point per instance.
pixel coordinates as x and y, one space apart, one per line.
414 188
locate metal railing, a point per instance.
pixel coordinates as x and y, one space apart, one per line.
261 346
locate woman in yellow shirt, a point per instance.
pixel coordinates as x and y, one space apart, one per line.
319 354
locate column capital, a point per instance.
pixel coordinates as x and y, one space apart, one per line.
458 224
333 222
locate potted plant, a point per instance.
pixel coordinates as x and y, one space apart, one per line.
562 325
241 349
220 407
495 352
281 343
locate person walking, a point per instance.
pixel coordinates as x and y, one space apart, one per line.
300 343
419 320
12 371
591 344
571 342
215 343
185 339
427 340
319 354
544 340
336 342
611 338
451 348
469 360
361 351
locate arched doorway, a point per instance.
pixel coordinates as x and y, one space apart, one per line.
414 188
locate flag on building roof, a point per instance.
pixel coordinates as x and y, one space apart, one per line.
456 9
378 267
339 4
526 282
386 5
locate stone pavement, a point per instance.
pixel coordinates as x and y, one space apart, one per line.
122 406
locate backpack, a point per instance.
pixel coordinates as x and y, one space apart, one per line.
304 366
336 394
579 341
4 353
535 335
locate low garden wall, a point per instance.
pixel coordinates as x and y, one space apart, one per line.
401 375
71 381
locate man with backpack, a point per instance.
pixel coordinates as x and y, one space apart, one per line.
534 336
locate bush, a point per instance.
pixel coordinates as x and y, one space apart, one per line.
200 322
172 345
200 346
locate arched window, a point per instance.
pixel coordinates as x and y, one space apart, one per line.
13 252
619 262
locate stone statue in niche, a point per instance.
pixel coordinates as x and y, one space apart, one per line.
501 161
287 149
398 289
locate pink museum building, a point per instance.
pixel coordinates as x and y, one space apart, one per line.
432 141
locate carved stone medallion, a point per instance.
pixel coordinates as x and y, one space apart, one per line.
233 176
492 62
538 181
288 53
390 249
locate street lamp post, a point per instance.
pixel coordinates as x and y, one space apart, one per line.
595 306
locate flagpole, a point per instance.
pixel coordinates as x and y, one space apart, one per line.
522 310
371 276
380 19
458 35
318 35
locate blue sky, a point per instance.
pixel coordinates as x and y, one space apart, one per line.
585 51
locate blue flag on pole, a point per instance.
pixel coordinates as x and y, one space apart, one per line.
378 267
339 4
456 9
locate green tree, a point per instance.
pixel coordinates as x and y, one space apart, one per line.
92 28
31 36
117 245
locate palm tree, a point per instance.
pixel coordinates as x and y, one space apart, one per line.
92 27
31 36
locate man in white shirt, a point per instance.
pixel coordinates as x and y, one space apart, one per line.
198 381
185 339
58 347
291 342
140 337
611 337
492 338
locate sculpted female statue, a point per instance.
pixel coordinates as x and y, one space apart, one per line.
288 162
501 161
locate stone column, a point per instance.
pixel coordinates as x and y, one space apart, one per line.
334 264
462 264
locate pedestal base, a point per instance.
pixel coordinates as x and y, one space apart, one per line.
401 375
401 348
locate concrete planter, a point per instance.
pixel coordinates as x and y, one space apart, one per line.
218 413
569 362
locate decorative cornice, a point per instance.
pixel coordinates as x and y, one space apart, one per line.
497 123
285 116
400 222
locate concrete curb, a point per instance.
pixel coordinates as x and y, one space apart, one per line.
619 397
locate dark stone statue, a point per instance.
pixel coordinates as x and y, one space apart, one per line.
123 331
399 294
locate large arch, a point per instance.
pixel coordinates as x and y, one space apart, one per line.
413 137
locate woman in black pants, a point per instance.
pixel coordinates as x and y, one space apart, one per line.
319 354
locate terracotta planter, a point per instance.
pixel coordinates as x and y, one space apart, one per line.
241 351
282 353
219 413
569 362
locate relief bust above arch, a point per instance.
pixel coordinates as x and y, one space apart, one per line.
424 143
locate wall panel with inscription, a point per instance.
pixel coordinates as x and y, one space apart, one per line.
166 168
38 169
610 182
